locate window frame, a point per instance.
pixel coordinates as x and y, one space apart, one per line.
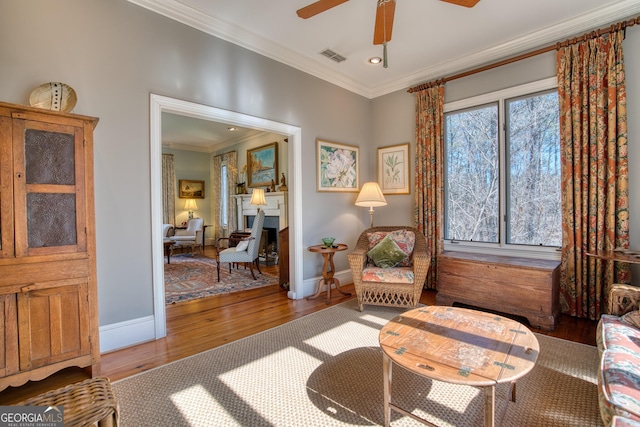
502 248
224 196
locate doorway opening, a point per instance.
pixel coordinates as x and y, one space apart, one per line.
160 104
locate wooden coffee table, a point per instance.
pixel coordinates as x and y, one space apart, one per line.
457 346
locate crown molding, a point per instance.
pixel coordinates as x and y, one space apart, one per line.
552 34
251 41
239 36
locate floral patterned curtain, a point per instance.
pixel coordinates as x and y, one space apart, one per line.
168 190
429 194
231 160
593 136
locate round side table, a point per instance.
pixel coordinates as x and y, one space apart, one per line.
328 269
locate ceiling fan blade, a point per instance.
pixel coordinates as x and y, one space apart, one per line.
318 7
384 21
465 3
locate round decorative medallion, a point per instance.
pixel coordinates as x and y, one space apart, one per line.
54 96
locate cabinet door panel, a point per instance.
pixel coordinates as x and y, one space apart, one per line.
8 335
53 323
49 188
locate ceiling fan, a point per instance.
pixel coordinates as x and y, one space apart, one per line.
384 17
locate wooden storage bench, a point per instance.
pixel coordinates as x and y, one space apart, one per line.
519 286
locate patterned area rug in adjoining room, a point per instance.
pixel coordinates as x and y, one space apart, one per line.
188 278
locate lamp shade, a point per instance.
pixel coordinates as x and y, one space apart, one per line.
190 205
257 197
371 196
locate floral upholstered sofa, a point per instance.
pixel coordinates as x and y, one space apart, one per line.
618 339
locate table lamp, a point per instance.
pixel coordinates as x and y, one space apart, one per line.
191 206
257 198
371 196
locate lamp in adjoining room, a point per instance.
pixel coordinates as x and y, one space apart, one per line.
191 206
257 198
371 196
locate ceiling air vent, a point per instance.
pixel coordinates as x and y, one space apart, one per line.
332 55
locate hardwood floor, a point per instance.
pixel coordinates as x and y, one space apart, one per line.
199 325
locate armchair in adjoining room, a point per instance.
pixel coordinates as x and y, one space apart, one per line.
245 251
389 266
167 231
191 235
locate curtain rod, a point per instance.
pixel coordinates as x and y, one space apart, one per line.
587 36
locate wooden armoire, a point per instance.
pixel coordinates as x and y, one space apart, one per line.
48 289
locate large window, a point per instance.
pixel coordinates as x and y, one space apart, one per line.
502 170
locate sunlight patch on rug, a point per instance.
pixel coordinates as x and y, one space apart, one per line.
188 278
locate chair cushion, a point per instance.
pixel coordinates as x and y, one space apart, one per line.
405 240
613 332
183 238
386 253
389 275
618 383
632 318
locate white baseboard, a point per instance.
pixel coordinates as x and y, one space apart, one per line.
125 334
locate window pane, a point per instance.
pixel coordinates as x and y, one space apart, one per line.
472 175
533 170
224 196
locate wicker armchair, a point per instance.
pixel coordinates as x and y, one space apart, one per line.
389 293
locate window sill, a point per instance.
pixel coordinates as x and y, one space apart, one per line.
512 251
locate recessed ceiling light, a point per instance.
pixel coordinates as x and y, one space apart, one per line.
231 128
375 60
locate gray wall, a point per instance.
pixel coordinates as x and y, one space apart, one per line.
114 54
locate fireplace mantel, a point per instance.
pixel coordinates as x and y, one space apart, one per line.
276 206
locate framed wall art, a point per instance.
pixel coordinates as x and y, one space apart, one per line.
262 165
191 189
393 169
337 166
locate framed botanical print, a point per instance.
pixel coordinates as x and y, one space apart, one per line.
190 189
393 169
337 166
262 165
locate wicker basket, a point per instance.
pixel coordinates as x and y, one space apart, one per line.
87 403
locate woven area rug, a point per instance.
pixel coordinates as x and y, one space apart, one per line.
325 369
188 278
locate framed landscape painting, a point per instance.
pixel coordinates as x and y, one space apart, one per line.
190 189
337 168
262 165
393 169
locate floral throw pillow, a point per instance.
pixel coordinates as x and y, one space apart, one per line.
387 253
405 240
632 318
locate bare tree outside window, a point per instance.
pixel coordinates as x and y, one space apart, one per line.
472 175
533 172
528 197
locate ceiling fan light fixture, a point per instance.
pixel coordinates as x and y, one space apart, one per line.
385 62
